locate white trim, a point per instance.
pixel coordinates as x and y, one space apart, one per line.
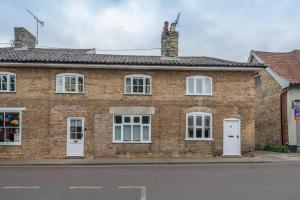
122 66
239 145
131 110
19 110
64 75
202 114
132 124
202 78
144 77
68 135
8 74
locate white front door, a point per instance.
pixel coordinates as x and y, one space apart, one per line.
231 137
75 136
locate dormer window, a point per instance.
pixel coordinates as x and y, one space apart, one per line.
69 83
198 85
137 84
7 82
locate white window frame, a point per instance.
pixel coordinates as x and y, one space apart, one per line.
13 109
202 114
202 78
64 75
144 77
8 74
132 124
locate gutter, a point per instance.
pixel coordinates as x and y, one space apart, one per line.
122 66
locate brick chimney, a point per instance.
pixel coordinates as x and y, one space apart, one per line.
169 41
23 38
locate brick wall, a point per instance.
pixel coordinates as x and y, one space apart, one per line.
45 118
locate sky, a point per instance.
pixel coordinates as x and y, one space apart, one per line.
227 29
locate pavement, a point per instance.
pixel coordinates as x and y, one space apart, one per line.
260 157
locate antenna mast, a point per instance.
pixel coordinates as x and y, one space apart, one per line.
37 25
177 19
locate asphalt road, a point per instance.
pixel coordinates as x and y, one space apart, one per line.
167 182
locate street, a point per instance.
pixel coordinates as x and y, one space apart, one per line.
167 182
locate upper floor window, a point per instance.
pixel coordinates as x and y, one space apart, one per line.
7 82
69 83
257 79
198 126
137 84
198 85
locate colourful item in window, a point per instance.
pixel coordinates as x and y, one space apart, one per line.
15 122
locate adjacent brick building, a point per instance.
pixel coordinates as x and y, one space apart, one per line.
58 103
278 98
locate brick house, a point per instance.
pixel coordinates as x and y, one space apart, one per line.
278 98
58 103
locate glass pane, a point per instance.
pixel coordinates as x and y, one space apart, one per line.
67 80
72 136
145 133
80 88
73 88
198 120
199 86
141 81
79 122
2 135
145 119
11 119
207 85
140 89
127 119
73 129
118 119
135 81
190 121
207 121
79 135
0 82
4 83
198 132
79 129
190 132
148 81
128 85
148 89
12 83
73 80
73 122
207 133
118 133
127 133
190 86
68 87
12 135
136 134
135 89
136 119
80 80
1 119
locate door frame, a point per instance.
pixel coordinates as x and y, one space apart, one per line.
68 136
239 129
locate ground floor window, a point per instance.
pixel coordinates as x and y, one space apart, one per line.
198 126
10 127
132 128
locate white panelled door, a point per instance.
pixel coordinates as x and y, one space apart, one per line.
75 136
231 137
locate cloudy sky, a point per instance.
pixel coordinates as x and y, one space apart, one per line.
226 29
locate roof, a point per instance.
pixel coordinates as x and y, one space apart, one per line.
89 56
285 64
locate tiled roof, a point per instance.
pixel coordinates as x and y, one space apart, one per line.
286 64
88 56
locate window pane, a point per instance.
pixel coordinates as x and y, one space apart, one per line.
207 85
73 80
136 119
145 119
127 133
1 119
12 134
141 81
118 119
148 89
128 85
148 81
190 132
140 89
135 89
198 120
135 81
12 119
2 135
127 119
136 133
118 133
80 80
207 133
73 88
207 121
4 83
68 87
190 86
145 133
79 122
79 129
198 132
190 121
59 83
73 122
12 83
80 88
199 86
72 136
73 129
79 135
68 80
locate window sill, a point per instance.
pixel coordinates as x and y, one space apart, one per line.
199 95
10 143
134 142
200 139
137 94
7 91
69 92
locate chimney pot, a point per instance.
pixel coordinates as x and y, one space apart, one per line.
166 26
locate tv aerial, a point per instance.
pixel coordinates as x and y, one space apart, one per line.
38 22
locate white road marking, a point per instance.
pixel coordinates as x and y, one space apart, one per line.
21 187
143 190
85 187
